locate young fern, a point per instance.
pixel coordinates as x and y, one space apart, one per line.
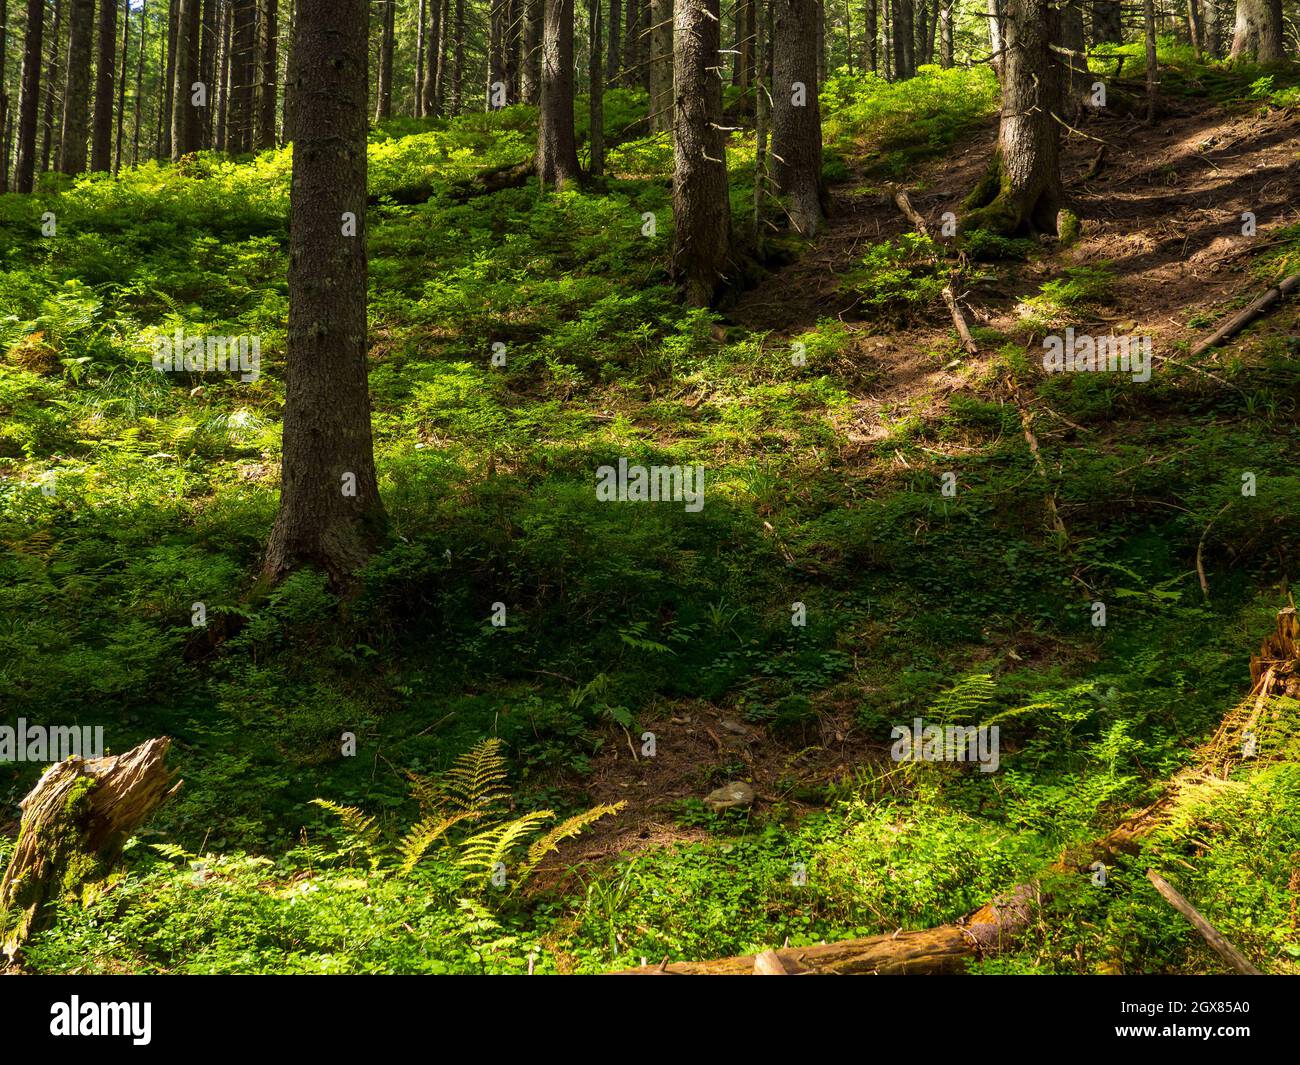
476 781
360 833
423 835
565 830
484 853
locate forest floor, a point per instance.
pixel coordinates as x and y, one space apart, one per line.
1163 211
625 619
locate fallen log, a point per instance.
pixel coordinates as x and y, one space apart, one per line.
996 927
74 824
1243 318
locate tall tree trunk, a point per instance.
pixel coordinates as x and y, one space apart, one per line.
1258 30
997 36
1149 23
208 45
531 87
510 68
596 80
417 104
49 147
796 114
1107 27
557 152
76 92
904 36
661 65
169 78
183 110
945 34
141 52
384 90
496 69
101 146
5 122
221 136
442 68
701 210
268 97
330 511
428 88
870 36
1210 19
613 39
121 85
242 75
29 94
1075 79
458 65
762 115
1023 193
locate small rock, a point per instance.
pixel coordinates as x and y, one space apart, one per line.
734 726
729 797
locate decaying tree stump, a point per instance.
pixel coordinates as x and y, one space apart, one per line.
74 825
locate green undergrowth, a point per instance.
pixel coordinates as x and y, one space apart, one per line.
128 496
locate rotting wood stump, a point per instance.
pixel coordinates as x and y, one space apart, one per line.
75 822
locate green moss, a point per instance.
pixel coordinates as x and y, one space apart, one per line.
1068 226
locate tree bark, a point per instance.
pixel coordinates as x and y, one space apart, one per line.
429 90
1258 30
596 80
1107 27
29 95
417 100
122 80
239 135
49 147
101 146
796 114
1075 79
557 151
904 38
531 81
701 209
164 147
1022 192
330 512
661 65
871 33
74 824
208 45
945 34
76 93
141 52
269 81
183 110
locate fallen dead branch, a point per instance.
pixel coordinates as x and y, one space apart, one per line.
1211 935
1243 318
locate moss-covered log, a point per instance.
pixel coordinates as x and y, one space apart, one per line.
75 822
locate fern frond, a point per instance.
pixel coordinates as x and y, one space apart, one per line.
359 829
426 792
565 830
423 835
493 846
476 780
966 700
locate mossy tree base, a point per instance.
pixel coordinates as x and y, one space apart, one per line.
74 825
